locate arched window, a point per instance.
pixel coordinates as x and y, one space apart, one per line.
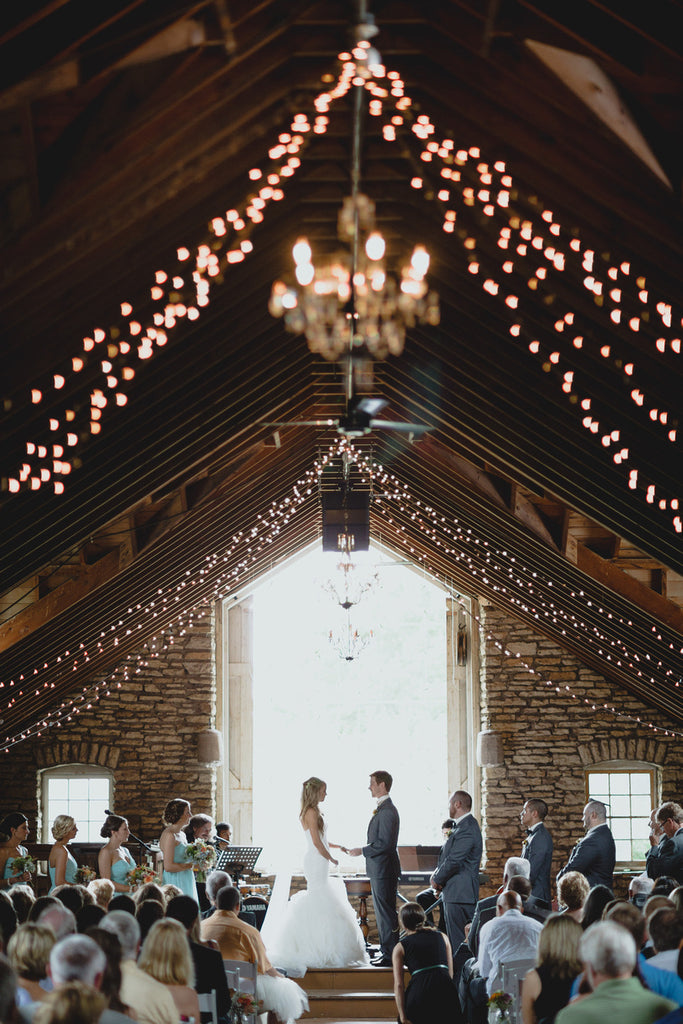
84 791
630 790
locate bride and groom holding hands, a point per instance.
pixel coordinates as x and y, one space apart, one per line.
318 927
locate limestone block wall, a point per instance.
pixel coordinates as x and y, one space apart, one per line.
146 733
549 739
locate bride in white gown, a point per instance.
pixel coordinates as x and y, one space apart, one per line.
317 927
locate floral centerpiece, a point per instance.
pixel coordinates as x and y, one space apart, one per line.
84 875
202 856
499 1004
22 864
141 874
243 1005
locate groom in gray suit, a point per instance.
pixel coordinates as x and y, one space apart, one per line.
457 873
382 865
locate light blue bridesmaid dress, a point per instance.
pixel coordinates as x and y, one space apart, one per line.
69 874
120 868
182 879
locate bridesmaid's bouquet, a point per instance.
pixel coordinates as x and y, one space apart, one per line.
21 864
242 1006
141 874
202 856
85 875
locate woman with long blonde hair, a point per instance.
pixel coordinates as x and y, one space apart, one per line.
317 927
166 956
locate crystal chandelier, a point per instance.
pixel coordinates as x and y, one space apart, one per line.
348 642
352 302
347 592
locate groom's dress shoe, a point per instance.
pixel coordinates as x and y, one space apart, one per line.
381 961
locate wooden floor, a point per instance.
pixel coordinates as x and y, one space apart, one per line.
349 994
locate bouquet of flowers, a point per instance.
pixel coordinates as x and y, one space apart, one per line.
140 875
22 864
501 1003
85 875
243 1005
202 856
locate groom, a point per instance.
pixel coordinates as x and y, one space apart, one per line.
382 865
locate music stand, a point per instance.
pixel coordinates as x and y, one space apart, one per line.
236 859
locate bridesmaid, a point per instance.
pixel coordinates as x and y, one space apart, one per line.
13 832
114 860
177 870
62 865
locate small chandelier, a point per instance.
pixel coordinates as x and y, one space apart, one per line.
352 302
353 586
348 642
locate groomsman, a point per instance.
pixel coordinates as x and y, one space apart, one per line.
457 872
382 865
595 854
537 849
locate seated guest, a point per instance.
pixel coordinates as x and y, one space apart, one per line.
29 953
149 891
72 1003
169 890
59 918
237 940
23 898
676 897
664 983
486 909
532 907
147 914
39 906
608 954
150 1001
165 955
102 890
651 905
596 901
110 986
664 886
639 889
215 881
208 963
70 896
8 989
89 917
546 989
122 901
8 921
666 931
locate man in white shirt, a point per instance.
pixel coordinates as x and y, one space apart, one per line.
508 936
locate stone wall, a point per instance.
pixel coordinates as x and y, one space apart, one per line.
549 739
146 733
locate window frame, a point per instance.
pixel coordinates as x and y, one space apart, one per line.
622 767
70 771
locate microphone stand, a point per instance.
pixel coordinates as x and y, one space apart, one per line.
136 839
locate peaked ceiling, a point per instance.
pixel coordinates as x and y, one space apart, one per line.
549 481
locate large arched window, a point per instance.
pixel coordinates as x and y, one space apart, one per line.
84 791
630 790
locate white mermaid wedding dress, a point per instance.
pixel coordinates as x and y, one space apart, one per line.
316 927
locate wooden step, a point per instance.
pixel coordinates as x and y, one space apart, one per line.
348 978
350 1005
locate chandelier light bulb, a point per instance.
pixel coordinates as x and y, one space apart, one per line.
375 246
304 273
420 260
302 252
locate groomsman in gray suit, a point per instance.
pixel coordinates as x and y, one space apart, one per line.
457 872
537 849
382 865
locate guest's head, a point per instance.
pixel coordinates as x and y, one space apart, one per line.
77 958
572 890
176 812
651 905
214 881
8 921
110 984
532 812
594 813
664 886
148 913
185 910
60 919
40 905
676 897
666 929
8 989
607 951
228 898
411 917
639 889
629 917
102 890
63 827
116 826
520 885
508 901
29 951
516 866
70 896
558 946
122 901
382 783
126 929
669 816
224 830
73 1003
596 901
23 898
89 917
200 826
14 828
169 891
149 891
165 954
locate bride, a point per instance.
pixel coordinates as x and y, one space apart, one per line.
317 927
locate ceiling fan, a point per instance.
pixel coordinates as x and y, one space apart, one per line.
360 419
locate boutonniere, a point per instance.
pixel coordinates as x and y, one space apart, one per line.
449 833
375 811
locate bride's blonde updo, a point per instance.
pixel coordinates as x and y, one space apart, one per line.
310 796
